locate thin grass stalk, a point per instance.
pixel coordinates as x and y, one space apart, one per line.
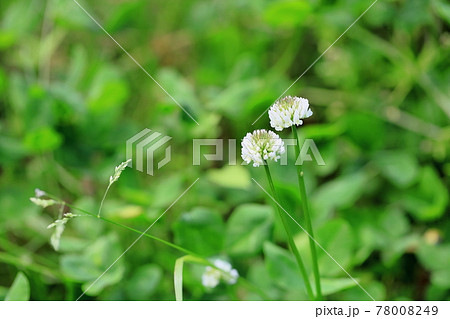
291 242
103 200
206 262
306 213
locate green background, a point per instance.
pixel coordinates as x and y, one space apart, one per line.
70 98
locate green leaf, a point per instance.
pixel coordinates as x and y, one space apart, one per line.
367 132
166 190
333 285
386 229
287 13
200 230
3 292
84 227
11 150
144 282
323 131
441 278
230 176
42 140
20 289
248 227
108 92
19 17
341 192
282 268
374 288
78 268
399 167
68 18
7 39
229 101
434 257
337 238
95 259
180 88
259 275
126 15
429 199
443 9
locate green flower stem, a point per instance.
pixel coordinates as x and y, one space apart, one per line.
291 242
206 262
309 228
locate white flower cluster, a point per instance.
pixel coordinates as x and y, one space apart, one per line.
261 145
211 277
289 111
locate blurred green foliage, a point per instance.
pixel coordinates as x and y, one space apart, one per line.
70 98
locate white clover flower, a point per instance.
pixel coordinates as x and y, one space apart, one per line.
232 277
261 145
211 277
289 111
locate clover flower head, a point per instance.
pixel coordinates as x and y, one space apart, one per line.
261 145
212 276
289 111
